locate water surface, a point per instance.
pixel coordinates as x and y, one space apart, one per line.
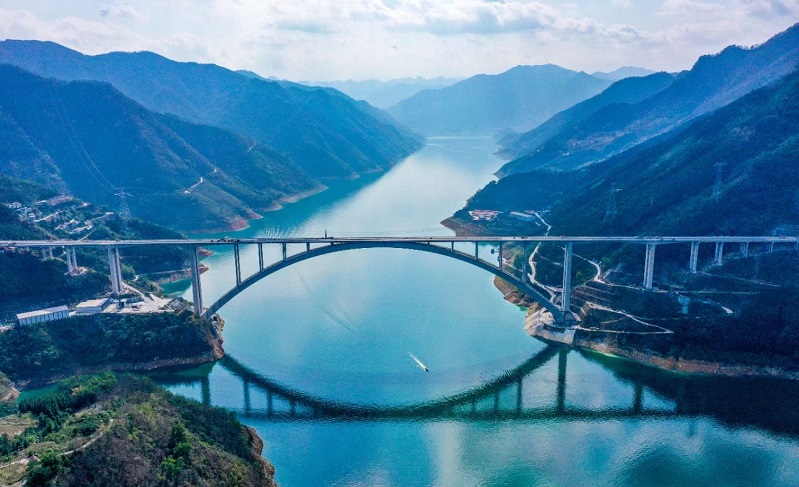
320 364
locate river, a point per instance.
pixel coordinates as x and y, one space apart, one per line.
321 363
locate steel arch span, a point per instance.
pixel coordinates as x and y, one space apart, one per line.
525 287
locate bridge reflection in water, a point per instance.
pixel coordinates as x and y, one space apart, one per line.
765 403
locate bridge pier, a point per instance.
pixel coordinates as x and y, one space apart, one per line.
283 248
567 279
519 395
237 259
694 256
745 249
72 260
116 271
47 253
476 251
524 262
771 247
260 256
500 256
719 255
649 265
196 289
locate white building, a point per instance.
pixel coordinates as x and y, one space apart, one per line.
91 306
42 315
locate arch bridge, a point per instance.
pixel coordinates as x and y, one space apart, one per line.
311 247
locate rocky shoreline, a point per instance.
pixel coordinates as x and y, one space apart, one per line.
538 326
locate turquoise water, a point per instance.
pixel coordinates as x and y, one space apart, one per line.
320 364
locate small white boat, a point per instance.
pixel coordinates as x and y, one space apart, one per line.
419 362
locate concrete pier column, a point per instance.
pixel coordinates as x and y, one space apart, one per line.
196 288
745 249
72 266
113 265
719 256
283 249
452 246
519 395
567 278
524 262
118 262
260 256
649 265
237 259
307 246
475 251
499 259
771 247
694 256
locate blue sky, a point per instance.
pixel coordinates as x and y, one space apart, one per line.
384 39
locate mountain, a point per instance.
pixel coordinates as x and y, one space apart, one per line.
384 94
713 82
668 185
628 90
88 139
623 72
327 134
517 99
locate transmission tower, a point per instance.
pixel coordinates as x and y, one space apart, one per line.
610 210
124 210
717 185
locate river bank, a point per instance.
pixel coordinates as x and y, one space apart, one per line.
40 354
758 366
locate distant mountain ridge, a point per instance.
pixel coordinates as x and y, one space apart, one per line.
384 94
623 72
518 99
668 185
326 133
87 138
714 81
628 90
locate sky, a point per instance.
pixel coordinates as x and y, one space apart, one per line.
388 39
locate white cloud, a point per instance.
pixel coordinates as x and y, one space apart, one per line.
671 7
317 40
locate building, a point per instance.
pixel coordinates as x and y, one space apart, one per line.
90 307
42 315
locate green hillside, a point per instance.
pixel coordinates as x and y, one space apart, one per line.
88 139
321 130
713 82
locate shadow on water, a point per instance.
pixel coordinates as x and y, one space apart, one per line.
768 404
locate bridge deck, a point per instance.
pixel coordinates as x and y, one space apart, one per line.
377 239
